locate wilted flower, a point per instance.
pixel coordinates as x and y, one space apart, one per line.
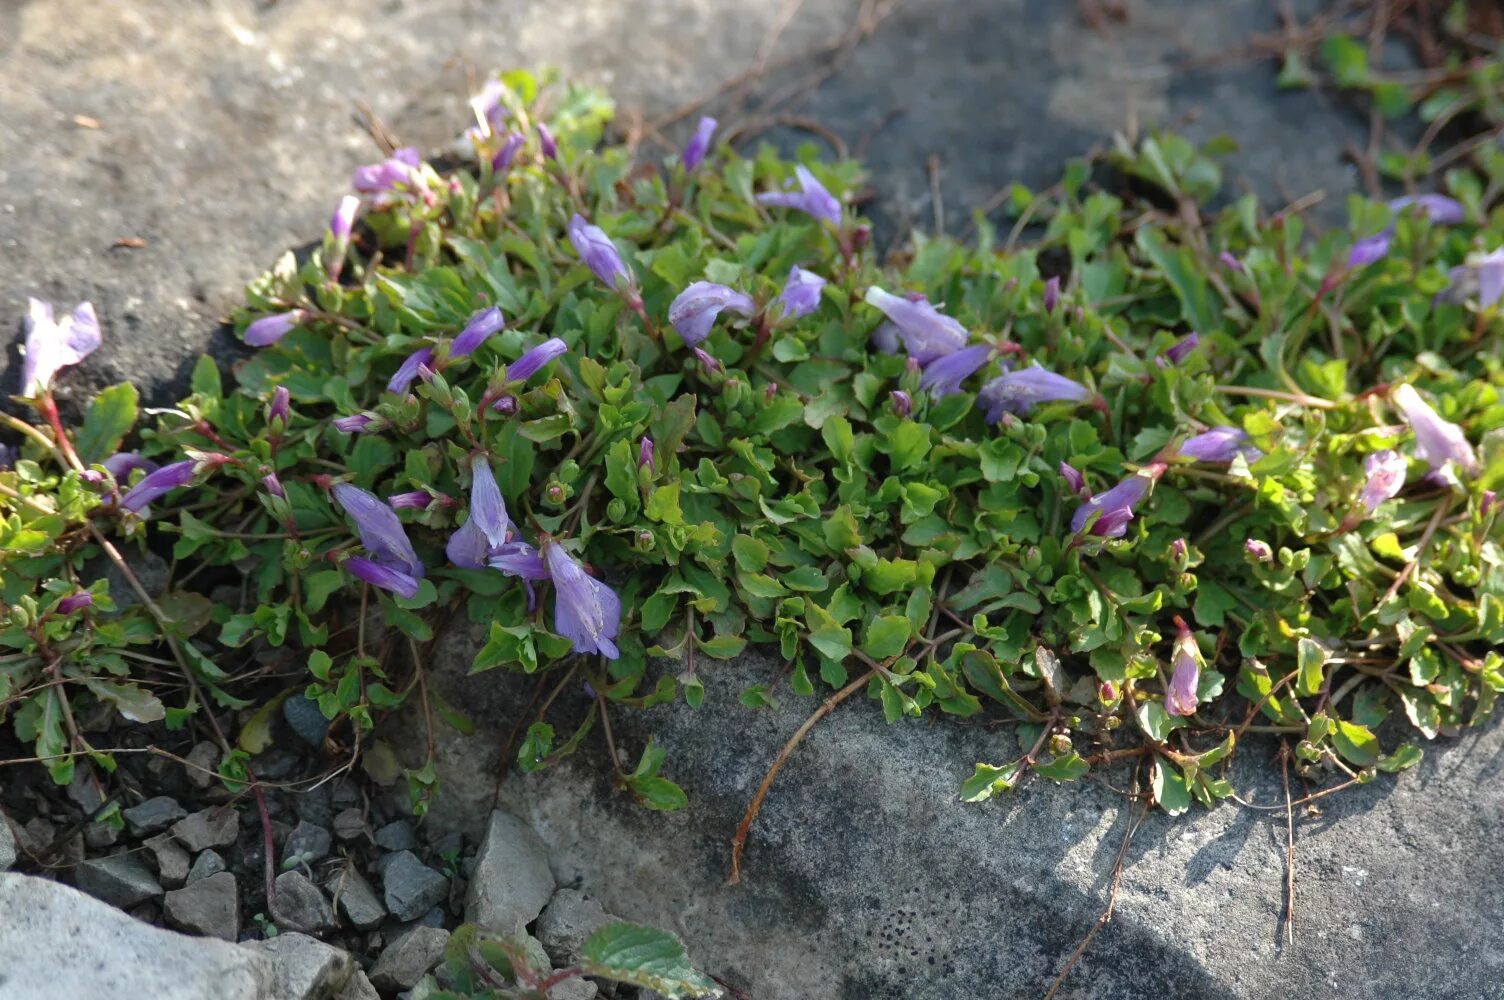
812 198
699 144
273 485
508 151
75 602
52 346
1051 293
599 254
903 403
1114 507
1438 442
927 333
944 376
1074 481
357 423
1220 444
414 500
477 331
380 178
158 484
801 293
415 363
694 310
1019 391
270 329
392 563
547 143
1258 550
1386 477
1182 347
1180 696
534 359
645 454
586 611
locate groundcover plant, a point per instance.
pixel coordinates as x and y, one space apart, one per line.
1140 475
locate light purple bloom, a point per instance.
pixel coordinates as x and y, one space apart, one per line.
158 484
488 106
416 362
586 611
1115 507
479 328
694 310
1051 294
487 508
1438 442
384 575
1435 207
1220 444
885 337
1180 696
927 333
519 559
1018 391
645 454
1182 347
534 359
75 602
1482 275
801 293
398 169
1370 249
380 531
547 143
903 403
508 151
943 376
1074 480
698 144
270 329
273 485
343 220
414 500
1258 550
812 198
52 346
599 253
356 424
467 546
280 408
1230 262
123 463
1386 477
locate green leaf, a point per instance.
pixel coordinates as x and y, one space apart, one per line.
886 637
1169 787
647 957
1356 743
1068 767
987 781
1311 658
110 418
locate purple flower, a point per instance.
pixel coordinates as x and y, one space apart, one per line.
1114 507
506 405
508 151
1018 392
273 485
1258 550
357 423
645 454
1179 551
534 359
927 333
380 531
1220 444
519 559
1180 696
158 484
694 310
414 500
488 106
1482 275
1185 345
885 337
1435 207
1051 294
52 346
599 254
1230 262
699 144
1386 477
487 508
280 408
123 463
75 602
467 546
398 169
270 329
903 403
708 362
384 575
480 327
586 611
416 362
944 376
1370 249
547 143
343 220
801 293
1438 442
812 198
1074 480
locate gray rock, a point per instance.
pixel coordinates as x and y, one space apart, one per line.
121 880
358 987
153 815
349 823
512 881
98 836
216 826
357 900
8 851
581 989
205 760
303 715
298 905
307 842
409 887
407 959
305 968
208 906
172 860
59 943
568 919
206 864
396 836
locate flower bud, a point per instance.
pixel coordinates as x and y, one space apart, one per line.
1108 693
1259 551
279 410
1179 553
903 403
1051 294
506 405
75 602
273 485
645 454
555 493
1060 744
547 143
1486 504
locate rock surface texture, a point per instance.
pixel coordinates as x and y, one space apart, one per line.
58 942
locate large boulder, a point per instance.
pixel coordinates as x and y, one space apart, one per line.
866 877
59 943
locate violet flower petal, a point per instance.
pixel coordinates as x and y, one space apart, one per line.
380 530
694 310
1182 347
1019 391
521 560
1438 442
943 376
386 577
599 253
1117 501
927 333
812 198
1220 444
534 359
1386 477
699 144
478 329
269 329
158 484
801 293
586 611
75 602
54 345
467 547
487 508
1180 696
409 370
